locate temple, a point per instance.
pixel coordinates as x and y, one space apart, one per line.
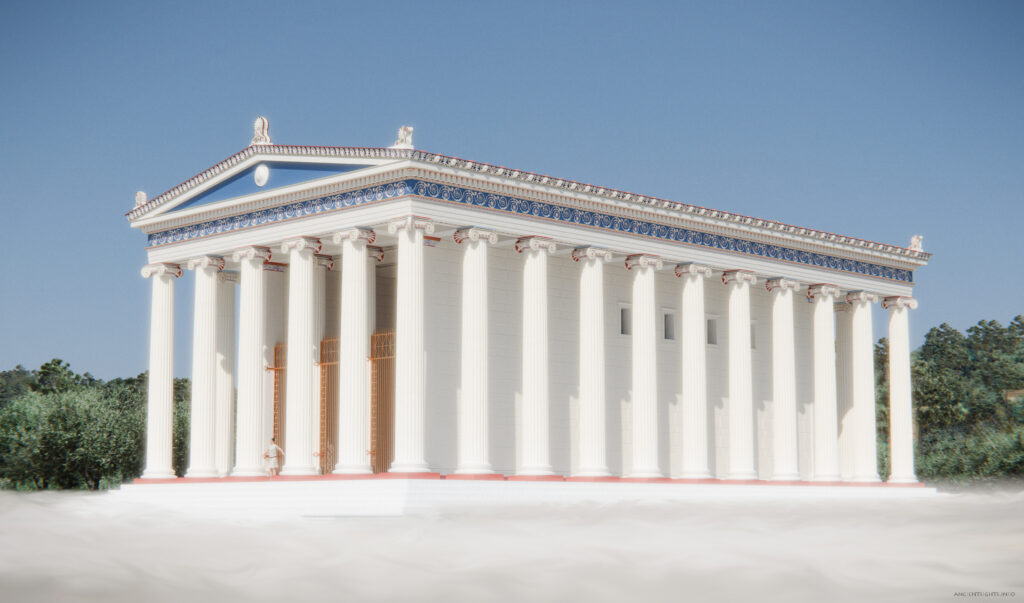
394 310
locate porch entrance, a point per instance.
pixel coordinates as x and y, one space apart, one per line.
382 399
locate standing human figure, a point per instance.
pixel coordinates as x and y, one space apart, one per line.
271 455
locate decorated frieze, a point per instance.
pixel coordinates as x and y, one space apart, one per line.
525 207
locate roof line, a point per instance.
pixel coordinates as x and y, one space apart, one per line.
532 177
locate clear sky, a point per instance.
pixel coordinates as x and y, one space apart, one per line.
875 119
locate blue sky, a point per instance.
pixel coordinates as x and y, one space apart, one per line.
874 119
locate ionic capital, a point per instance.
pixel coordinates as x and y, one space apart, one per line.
411 223
644 260
738 277
474 234
207 261
854 297
535 243
160 269
822 290
780 284
251 253
302 244
355 235
688 269
375 253
324 260
591 253
229 276
897 302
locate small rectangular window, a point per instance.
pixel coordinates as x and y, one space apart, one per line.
670 325
712 333
625 320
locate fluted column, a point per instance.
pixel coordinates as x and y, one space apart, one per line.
741 406
202 441
324 264
410 352
784 431
224 444
160 400
845 418
645 366
301 409
354 376
694 370
473 451
826 454
901 410
593 455
252 330
535 458
862 352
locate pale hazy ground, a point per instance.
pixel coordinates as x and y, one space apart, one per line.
65 547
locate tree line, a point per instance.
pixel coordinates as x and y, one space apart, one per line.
60 429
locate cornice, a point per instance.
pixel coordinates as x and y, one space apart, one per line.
738 222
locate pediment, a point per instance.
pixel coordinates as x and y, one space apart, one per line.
259 177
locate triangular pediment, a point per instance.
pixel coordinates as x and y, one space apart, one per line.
262 177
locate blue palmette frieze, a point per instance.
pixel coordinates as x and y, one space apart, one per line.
515 205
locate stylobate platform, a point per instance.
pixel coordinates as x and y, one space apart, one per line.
387 494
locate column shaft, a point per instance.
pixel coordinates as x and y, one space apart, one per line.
300 384
160 401
354 376
225 445
645 368
410 353
473 446
252 329
694 371
865 465
535 456
741 409
593 457
202 443
826 457
901 410
784 431
845 419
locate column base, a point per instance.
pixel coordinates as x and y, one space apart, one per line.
158 474
482 469
593 472
307 470
644 474
535 471
414 467
695 475
741 475
352 470
210 472
826 478
785 477
866 479
905 479
254 471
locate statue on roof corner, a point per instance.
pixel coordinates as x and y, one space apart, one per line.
917 243
140 198
404 138
261 131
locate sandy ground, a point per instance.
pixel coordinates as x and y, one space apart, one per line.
70 547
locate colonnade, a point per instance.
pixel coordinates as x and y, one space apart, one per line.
846 381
